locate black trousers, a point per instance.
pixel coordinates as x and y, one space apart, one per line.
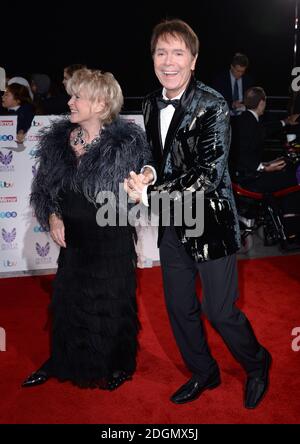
220 291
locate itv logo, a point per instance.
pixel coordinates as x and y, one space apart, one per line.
8 263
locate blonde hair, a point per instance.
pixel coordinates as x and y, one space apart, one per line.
97 86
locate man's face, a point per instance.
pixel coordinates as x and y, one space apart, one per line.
238 71
173 64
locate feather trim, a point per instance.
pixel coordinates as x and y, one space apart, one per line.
122 148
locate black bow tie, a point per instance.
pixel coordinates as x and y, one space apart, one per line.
162 103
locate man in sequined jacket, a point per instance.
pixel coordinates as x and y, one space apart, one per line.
187 126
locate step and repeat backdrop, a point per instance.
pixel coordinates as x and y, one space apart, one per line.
24 245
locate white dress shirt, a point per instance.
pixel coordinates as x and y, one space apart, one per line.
242 108
166 115
240 85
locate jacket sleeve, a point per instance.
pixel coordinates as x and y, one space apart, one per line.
25 117
143 153
246 153
208 139
44 188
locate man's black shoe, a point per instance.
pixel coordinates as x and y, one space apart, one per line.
256 387
36 378
192 389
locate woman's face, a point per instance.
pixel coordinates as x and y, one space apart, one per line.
8 100
83 109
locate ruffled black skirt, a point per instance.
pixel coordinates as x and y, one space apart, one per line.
94 309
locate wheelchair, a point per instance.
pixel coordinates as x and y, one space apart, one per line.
261 213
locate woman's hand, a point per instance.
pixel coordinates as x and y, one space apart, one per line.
57 230
20 136
134 186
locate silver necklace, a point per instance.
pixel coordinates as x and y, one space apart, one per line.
79 138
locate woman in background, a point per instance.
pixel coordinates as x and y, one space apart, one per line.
17 101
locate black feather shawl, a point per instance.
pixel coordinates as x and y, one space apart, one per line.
122 148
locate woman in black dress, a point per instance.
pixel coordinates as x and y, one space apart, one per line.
95 322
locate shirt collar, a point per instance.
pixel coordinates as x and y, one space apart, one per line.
173 98
14 108
254 114
233 79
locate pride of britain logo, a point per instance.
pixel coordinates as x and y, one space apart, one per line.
5 162
9 237
42 251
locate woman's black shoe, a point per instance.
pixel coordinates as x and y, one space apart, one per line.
36 378
118 380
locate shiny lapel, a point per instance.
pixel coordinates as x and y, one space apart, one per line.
177 119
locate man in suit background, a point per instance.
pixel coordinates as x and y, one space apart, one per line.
187 126
247 167
232 83
249 134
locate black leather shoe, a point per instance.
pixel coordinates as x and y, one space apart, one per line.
192 389
256 387
36 378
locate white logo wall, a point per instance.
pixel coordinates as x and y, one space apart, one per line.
23 243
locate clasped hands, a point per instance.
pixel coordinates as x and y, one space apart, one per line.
135 184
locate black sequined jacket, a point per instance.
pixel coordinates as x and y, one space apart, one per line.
194 158
122 148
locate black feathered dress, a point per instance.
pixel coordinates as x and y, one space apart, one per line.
94 309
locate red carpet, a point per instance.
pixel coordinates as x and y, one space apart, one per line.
270 296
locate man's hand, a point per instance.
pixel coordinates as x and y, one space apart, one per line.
275 165
57 230
292 119
237 104
135 184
